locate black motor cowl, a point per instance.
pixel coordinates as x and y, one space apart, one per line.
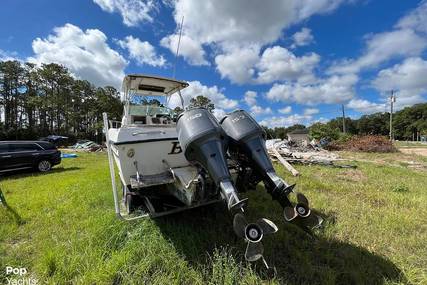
204 142
247 138
247 144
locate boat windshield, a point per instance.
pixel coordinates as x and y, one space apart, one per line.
150 110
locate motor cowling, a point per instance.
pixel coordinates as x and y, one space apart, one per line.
204 143
247 145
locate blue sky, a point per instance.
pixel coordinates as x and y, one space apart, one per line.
285 61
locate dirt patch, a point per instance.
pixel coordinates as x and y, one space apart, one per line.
414 150
353 175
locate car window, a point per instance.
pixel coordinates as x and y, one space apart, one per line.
47 145
24 147
4 148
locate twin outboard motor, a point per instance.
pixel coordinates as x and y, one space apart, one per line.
247 145
204 142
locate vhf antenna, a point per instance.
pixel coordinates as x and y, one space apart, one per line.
177 48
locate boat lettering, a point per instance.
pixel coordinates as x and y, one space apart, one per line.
176 148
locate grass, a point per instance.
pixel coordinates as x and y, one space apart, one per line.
410 144
62 228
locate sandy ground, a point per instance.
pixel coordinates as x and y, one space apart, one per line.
414 150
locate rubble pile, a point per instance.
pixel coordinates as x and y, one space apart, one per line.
300 151
88 146
369 143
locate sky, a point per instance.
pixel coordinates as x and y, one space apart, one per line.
284 61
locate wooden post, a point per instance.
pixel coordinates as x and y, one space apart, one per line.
286 164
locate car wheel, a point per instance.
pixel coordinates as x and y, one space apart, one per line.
44 165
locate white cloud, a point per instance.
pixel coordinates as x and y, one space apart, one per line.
196 88
142 52
285 121
274 64
133 12
416 19
258 110
406 101
238 65
302 38
285 110
311 111
233 25
6 55
365 106
279 64
241 23
410 77
191 50
250 98
407 39
85 53
332 90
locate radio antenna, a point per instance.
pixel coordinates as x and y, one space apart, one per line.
177 48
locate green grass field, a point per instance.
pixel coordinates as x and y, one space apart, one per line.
62 228
410 144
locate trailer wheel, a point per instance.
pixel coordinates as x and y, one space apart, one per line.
131 204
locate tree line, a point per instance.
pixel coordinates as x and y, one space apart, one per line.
37 101
408 124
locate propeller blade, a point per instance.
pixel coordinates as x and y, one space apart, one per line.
267 226
302 199
239 225
313 221
254 251
290 214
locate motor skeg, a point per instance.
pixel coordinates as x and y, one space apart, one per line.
203 141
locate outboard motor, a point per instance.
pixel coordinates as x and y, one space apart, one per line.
204 142
247 146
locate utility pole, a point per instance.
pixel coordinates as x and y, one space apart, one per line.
343 119
392 101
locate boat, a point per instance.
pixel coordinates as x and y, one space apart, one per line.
169 162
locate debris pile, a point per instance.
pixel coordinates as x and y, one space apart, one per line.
294 151
369 143
87 145
287 152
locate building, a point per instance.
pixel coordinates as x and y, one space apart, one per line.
299 136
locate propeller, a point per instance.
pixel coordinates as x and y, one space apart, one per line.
253 233
301 213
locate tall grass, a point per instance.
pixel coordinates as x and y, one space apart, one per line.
62 228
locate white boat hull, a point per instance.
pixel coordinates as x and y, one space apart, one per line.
150 151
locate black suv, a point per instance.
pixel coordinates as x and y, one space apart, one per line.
40 155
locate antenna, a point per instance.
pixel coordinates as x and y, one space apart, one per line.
177 48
